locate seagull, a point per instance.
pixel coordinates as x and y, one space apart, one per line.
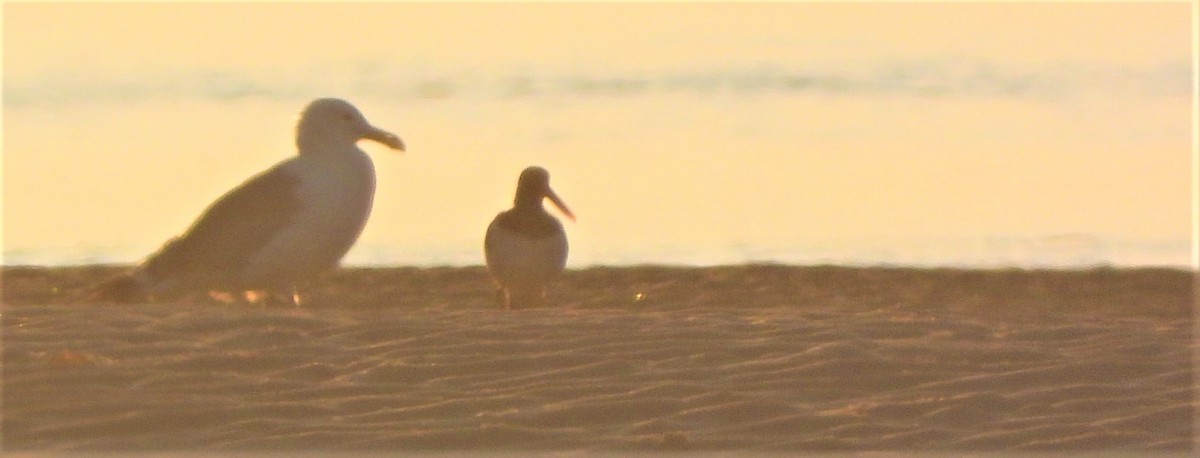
525 247
280 228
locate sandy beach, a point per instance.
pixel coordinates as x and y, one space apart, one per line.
742 359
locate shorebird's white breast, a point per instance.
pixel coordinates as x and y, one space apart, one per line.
335 195
516 258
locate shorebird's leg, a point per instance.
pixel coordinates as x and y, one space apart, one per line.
502 298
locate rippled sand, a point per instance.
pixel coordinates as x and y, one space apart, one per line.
741 358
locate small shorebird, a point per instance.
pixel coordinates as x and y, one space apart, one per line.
525 247
277 229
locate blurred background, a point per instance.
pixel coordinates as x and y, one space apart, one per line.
938 134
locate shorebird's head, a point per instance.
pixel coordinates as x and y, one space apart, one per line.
334 122
534 185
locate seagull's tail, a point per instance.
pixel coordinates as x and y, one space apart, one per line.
123 288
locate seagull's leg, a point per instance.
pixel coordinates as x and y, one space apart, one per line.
253 296
285 299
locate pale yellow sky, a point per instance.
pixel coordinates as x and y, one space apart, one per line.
1055 117
42 37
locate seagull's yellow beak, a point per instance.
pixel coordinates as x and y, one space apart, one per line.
385 137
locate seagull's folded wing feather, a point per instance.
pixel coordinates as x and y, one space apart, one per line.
233 229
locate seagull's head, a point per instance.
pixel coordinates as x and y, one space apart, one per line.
534 185
329 122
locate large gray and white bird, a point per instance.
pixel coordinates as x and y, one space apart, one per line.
525 247
278 229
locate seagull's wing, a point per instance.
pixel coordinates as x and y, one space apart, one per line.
230 231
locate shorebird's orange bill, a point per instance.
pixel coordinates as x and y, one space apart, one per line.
562 207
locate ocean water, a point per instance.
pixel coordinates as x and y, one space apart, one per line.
1056 252
729 136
